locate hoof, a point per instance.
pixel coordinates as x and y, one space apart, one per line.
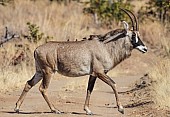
89 113
56 111
121 110
16 110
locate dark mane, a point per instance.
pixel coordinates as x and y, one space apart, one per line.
114 32
106 36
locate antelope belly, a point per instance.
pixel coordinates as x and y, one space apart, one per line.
74 69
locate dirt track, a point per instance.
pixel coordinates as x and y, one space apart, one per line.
68 101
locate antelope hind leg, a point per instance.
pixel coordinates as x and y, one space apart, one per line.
29 84
43 89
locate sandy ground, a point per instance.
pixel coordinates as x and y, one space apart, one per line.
69 101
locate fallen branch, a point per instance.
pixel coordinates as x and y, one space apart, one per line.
8 37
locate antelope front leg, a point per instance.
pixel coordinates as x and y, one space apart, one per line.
111 83
91 83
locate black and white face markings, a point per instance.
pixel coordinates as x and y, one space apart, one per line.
137 43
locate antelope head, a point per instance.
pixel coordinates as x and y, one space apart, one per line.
134 33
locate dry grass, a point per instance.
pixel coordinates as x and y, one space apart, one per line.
160 90
55 20
158 38
153 32
12 78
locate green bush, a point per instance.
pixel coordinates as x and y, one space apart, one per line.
34 34
157 10
107 11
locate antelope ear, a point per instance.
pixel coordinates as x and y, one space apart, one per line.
125 25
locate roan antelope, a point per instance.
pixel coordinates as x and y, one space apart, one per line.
94 56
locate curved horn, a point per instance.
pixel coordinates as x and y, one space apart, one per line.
137 25
127 12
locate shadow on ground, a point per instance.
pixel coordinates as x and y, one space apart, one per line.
25 113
